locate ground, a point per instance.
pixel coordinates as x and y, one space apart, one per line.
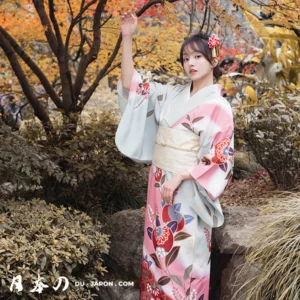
254 191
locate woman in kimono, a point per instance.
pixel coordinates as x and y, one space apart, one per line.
186 132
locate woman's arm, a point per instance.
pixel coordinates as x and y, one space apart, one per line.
170 186
128 27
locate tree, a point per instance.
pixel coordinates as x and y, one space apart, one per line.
69 46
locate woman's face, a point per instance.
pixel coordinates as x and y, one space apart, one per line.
196 66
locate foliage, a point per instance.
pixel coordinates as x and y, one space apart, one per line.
103 175
87 172
60 50
272 131
23 163
37 238
276 254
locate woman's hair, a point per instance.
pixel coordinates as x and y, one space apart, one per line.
199 42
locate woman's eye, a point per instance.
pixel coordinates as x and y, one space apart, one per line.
185 59
198 56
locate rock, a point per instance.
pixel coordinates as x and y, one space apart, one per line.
117 292
232 279
234 236
127 231
244 165
232 239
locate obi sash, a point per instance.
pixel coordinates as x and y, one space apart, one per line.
175 150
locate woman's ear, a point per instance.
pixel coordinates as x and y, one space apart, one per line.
215 62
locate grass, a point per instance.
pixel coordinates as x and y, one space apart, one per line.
276 255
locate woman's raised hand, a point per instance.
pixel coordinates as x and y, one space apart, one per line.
128 23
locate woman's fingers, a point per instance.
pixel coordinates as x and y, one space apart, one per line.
167 194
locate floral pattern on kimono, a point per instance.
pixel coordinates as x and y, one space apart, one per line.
177 237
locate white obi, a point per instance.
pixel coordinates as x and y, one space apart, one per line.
176 150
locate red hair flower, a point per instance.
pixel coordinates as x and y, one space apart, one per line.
214 41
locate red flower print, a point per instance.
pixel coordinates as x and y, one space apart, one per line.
169 214
222 151
156 293
144 89
163 238
145 265
158 175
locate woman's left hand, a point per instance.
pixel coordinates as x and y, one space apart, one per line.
169 188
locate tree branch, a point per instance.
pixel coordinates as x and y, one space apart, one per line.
93 53
34 68
205 15
70 8
65 74
104 71
192 14
88 93
39 111
40 8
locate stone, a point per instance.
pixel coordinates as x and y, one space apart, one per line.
127 231
234 236
232 279
117 292
245 165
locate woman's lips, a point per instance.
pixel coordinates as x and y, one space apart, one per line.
192 71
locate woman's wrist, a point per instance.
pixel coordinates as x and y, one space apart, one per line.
185 175
127 37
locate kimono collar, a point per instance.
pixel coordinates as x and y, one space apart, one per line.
208 91
179 102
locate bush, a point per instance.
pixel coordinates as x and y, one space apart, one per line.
272 131
24 164
86 171
53 241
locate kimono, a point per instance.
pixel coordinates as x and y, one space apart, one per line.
177 236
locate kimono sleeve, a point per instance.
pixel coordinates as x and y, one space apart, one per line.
214 172
140 107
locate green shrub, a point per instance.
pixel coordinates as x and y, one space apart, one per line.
36 237
25 164
86 171
271 130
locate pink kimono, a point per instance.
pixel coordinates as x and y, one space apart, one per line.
177 237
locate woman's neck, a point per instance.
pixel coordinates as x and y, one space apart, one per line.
197 85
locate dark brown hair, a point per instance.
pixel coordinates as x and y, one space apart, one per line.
199 42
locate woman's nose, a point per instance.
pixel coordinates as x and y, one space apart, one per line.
191 62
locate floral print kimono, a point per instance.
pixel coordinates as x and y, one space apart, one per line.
177 236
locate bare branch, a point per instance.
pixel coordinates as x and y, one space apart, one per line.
93 53
76 20
40 8
39 111
104 71
208 21
66 79
192 15
71 10
34 67
205 15
88 93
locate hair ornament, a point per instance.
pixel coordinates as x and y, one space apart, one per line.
214 43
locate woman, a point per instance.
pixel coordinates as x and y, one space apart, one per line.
186 131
